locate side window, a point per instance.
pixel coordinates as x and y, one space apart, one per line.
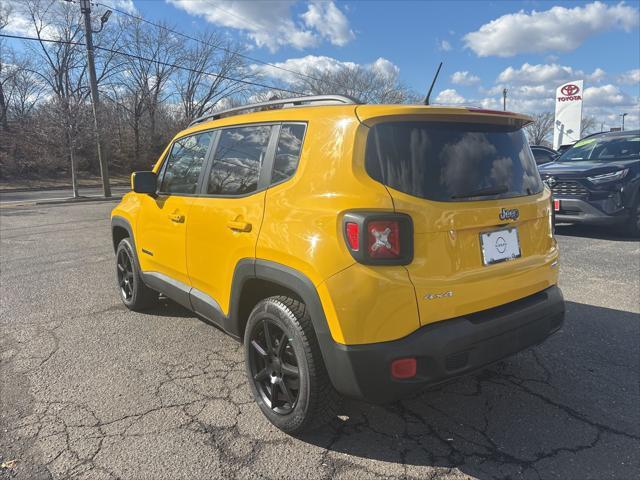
541 156
184 163
287 152
238 160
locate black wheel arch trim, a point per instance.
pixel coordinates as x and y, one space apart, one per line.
122 222
300 284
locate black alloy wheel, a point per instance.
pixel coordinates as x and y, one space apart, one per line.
125 275
286 373
634 220
274 367
133 291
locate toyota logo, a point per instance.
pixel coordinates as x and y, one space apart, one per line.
570 89
551 182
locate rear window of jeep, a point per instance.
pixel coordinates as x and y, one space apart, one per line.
446 161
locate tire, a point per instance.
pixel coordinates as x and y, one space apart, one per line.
134 293
286 374
633 227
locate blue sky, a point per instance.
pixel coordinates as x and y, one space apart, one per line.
529 47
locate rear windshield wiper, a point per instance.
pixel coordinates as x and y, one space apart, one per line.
483 192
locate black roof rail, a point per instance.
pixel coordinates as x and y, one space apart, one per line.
293 102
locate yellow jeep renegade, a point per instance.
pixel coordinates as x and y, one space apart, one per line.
357 250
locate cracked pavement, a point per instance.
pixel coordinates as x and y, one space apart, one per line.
91 390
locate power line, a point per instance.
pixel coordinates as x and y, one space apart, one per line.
138 57
195 39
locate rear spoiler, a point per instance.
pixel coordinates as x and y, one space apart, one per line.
372 114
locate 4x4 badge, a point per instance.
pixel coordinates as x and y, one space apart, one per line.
435 296
509 214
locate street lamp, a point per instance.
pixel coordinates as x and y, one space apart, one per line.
623 115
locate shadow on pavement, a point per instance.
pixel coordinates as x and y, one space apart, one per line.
169 308
566 409
599 233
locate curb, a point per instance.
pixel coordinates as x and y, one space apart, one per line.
79 200
56 187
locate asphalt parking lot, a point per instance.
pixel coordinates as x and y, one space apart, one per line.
91 390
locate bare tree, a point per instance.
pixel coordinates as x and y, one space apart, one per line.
22 90
6 75
131 89
209 65
540 131
589 125
164 50
62 66
366 84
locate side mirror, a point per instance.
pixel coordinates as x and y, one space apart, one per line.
144 182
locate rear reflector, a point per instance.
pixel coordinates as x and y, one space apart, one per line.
353 235
384 239
403 368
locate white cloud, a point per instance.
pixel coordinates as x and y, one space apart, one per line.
126 5
598 75
464 78
490 103
449 97
444 46
20 22
385 67
271 25
305 65
558 29
632 77
607 96
552 73
311 63
329 21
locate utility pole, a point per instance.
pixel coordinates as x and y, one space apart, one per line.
85 9
623 115
504 99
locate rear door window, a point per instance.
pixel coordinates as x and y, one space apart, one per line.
287 151
184 164
446 162
238 160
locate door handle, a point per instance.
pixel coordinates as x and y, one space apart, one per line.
176 218
239 226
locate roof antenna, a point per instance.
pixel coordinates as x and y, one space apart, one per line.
435 77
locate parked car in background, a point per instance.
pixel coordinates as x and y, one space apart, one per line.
563 148
597 181
543 154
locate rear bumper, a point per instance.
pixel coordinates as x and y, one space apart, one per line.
574 210
446 349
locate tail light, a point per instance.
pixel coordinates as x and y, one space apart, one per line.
379 239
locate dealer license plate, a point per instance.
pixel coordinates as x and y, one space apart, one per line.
500 245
